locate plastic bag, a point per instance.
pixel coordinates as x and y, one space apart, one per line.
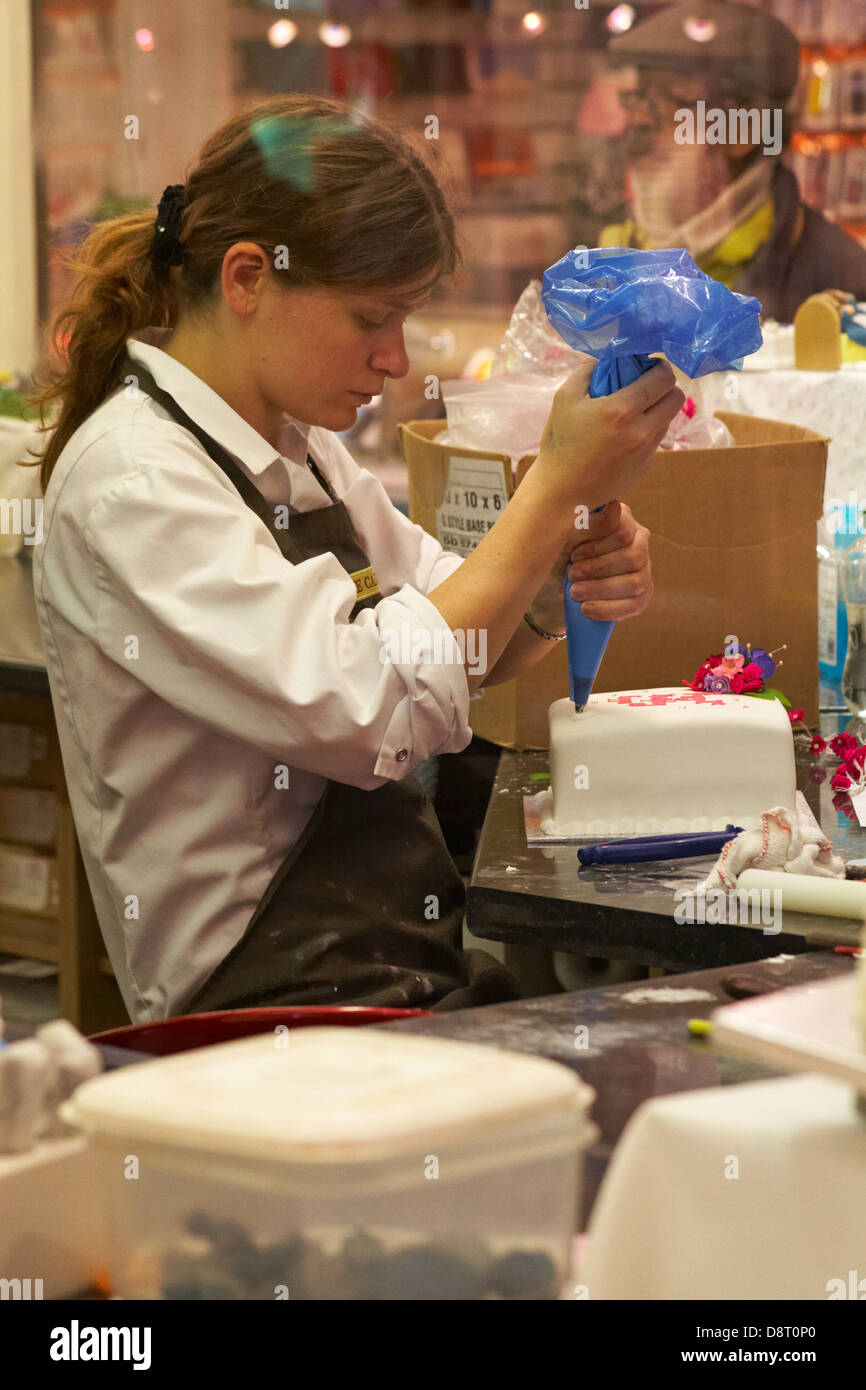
508 411
506 414
697 432
620 305
531 343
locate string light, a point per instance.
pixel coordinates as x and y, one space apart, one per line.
144 39
335 35
701 30
281 33
620 19
533 22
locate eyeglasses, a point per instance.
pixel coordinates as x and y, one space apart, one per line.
657 99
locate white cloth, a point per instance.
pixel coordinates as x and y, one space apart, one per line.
73 1060
36 1075
189 661
673 1221
831 403
781 841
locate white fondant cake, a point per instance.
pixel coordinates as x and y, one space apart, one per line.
637 762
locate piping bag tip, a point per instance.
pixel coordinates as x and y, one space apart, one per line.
587 640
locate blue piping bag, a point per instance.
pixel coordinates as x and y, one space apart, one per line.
621 305
586 639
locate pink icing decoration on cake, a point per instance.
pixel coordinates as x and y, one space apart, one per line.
663 697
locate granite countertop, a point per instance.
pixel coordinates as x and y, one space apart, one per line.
629 1042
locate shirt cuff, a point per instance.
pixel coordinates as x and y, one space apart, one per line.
434 716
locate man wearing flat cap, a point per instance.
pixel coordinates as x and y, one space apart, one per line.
709 118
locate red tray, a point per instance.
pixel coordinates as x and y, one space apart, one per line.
182 1034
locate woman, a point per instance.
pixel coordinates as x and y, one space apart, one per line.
216 574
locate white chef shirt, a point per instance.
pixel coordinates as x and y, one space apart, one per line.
189 663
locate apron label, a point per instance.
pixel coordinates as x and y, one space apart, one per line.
475 498
366 582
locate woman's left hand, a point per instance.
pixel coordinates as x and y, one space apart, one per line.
609 567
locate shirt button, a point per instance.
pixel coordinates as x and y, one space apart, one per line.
401 755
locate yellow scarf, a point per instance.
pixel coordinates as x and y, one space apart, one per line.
725 260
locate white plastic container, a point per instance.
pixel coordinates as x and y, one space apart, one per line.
353 1164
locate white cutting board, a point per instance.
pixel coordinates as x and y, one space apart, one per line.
807 1028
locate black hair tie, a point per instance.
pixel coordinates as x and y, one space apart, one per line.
166 249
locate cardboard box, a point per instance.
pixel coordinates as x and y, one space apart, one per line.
28 881
733 552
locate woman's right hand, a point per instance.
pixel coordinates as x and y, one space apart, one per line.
596 448
593 450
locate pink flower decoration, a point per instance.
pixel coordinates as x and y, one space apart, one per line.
842 802
697 682
795 715
729 665
817 745
841 744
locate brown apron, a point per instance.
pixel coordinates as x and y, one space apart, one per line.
367 907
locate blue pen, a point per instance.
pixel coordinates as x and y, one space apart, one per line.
652 848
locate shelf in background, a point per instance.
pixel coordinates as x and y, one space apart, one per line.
25 934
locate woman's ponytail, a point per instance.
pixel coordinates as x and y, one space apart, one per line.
118 293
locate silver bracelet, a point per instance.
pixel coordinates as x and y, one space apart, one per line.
551 636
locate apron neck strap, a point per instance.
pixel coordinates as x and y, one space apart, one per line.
248 491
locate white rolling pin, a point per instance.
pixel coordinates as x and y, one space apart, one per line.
826 897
